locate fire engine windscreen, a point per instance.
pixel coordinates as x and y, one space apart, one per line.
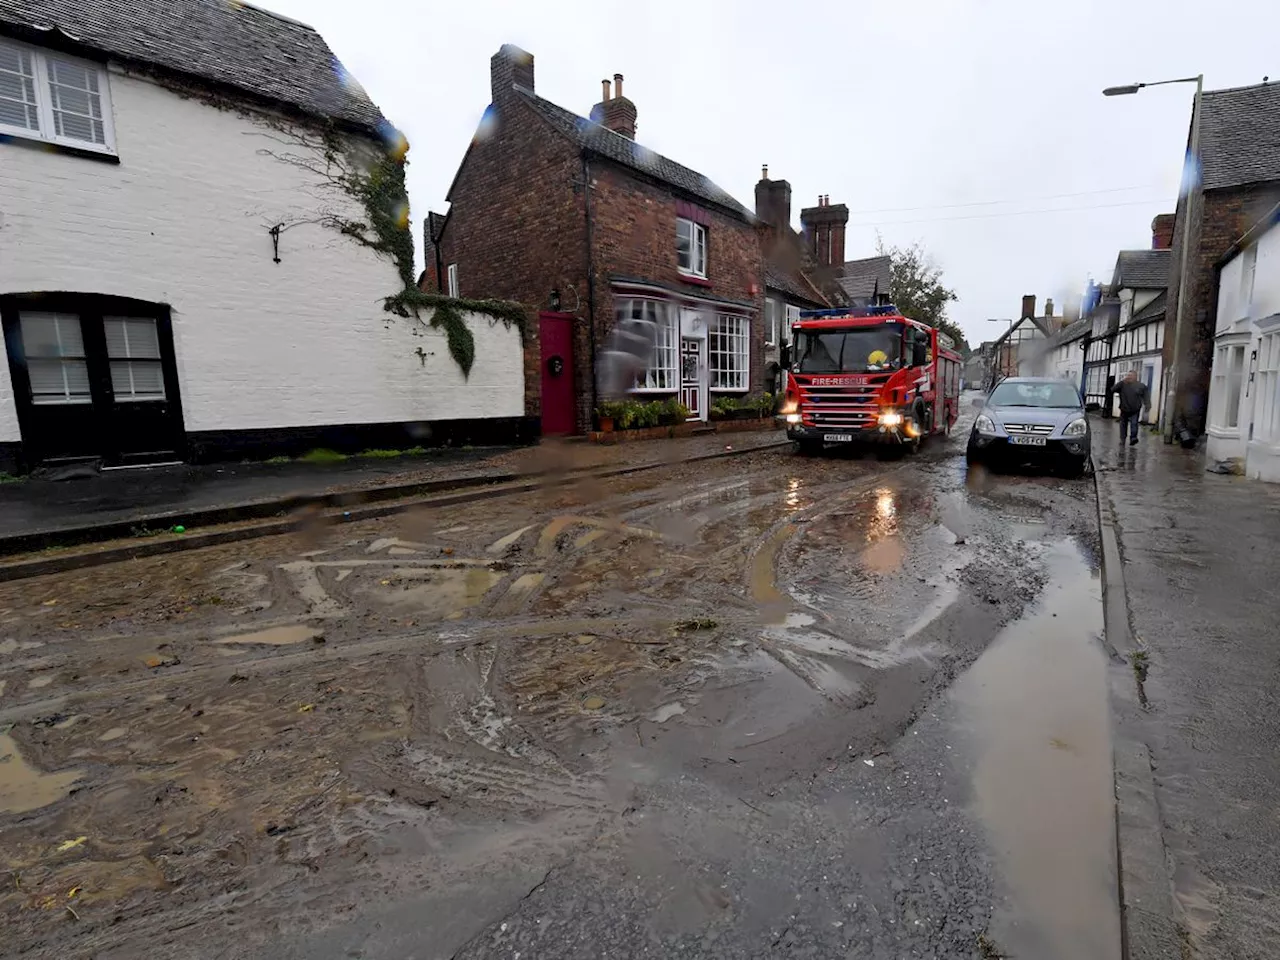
856 350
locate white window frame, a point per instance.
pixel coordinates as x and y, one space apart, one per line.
1248 271
452 281
44 101
793 316
1266 415
663 372
697 266
62 357
1227 377
729 353
134 360
772 321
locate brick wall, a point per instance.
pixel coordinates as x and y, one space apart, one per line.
183 219
517 230
635 236
1218 219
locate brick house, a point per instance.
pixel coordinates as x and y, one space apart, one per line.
573 217
788 281
1239 183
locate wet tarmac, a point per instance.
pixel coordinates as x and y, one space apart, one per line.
767 706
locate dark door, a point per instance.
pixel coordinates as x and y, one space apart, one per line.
555 331
93 377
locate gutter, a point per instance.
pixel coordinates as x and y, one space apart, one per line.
591 278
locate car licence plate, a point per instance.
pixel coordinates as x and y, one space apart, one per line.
1027 441
838 437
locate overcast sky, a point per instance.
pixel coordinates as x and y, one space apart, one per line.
976 127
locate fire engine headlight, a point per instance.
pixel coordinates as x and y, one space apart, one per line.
890 419
793 418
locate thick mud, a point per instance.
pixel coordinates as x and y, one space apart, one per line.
381 736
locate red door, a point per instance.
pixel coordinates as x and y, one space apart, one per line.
555 331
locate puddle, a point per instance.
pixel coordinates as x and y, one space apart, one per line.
276 636
666 712
441 592
23 787
1035 705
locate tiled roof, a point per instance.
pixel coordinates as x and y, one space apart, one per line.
792 283
1240 135
225 42
625 151
1142 269
865 278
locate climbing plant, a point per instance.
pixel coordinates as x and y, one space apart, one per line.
374 177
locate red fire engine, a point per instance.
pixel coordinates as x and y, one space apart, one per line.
868 374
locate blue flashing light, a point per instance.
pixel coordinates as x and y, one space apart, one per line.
884 310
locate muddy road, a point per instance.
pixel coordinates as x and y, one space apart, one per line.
751 707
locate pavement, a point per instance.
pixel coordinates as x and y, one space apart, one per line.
755 706
150 498
1200 568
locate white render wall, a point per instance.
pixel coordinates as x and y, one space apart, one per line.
183 220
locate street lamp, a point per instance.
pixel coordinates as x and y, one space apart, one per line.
1193 151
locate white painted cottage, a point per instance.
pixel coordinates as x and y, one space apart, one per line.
178 278
1244 394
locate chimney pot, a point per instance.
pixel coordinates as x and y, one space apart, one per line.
604 97
1048 307
617 84
764 172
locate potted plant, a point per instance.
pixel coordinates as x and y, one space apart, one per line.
608 415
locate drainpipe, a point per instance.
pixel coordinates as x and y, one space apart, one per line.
591 281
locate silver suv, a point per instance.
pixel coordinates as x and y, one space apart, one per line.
1032 419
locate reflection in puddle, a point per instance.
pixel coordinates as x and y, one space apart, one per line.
1035 704
23 787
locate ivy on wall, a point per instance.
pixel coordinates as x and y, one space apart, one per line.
379 186
373 175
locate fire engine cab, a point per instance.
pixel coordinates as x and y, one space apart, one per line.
868 374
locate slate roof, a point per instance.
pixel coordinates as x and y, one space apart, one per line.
1142 269
1071 332
864 278
1152 311
1240 135
794 284
232 44
622 150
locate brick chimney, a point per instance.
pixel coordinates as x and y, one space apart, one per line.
615 111
773 201
1162 232
1028 306
824 228
1048 307
509 66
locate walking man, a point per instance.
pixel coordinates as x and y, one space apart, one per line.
1135 401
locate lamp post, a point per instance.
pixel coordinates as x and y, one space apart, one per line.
1008 340
1193 151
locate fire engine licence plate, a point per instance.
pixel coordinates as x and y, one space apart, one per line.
1027 441
838 437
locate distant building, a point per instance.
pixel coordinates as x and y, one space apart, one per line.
1140 283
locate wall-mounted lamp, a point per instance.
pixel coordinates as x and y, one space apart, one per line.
275 242
555 299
